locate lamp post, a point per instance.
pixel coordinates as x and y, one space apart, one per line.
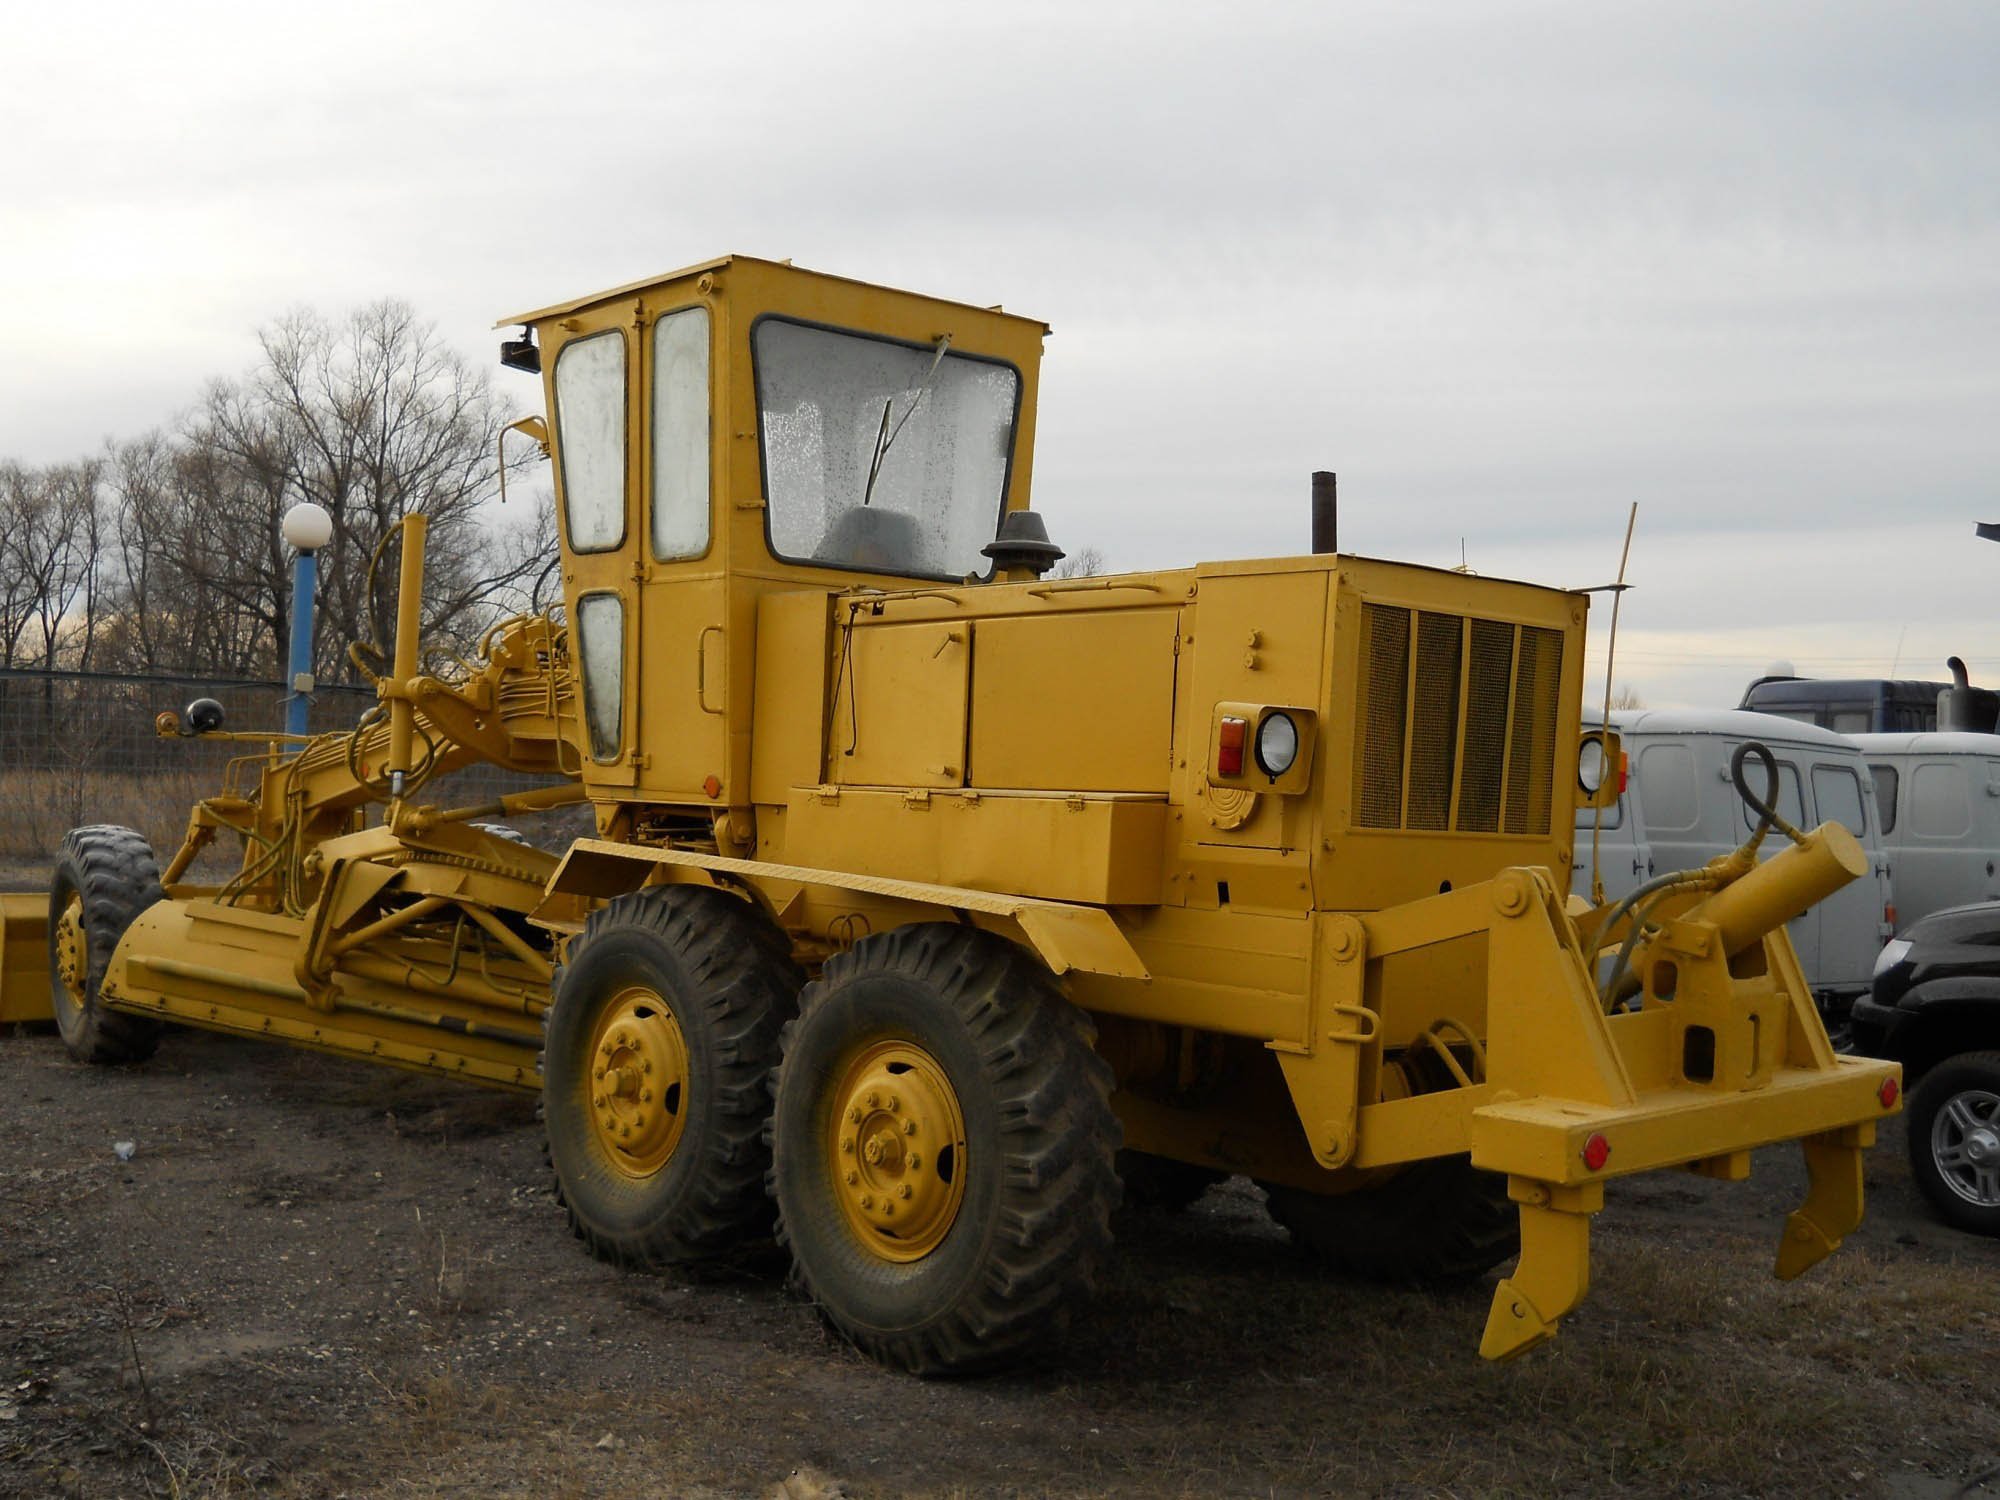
308 528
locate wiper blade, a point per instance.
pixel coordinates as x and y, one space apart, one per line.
884 438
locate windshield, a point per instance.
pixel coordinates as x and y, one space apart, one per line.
934 427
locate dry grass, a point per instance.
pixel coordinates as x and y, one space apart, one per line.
38 807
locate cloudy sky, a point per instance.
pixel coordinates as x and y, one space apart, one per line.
1508 268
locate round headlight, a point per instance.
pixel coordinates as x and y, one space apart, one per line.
1590 765
1277 745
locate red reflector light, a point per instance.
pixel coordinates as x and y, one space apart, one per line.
1889 1093
1229 746
1624 775
1596 1152
1889 915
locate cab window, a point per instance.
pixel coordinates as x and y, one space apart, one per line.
1837 795
590 439
680 434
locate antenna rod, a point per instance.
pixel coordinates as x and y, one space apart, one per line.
1610 658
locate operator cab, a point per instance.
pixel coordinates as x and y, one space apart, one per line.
744 427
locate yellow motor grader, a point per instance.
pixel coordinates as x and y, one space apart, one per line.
932 894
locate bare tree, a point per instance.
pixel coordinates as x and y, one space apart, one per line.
1086 562
50 524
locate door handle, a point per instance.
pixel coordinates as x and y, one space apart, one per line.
701 671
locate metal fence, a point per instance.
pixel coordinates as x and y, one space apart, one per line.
81 747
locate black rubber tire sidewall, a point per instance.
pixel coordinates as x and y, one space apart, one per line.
1955 1075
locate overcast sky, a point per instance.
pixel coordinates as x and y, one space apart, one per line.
1506 268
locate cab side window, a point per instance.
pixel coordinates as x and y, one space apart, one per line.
1837 795
1886 786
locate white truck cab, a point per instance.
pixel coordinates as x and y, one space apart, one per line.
1939 795
1680 809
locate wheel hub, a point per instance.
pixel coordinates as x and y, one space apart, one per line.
897 1150
73 949
1965 1142
638 1082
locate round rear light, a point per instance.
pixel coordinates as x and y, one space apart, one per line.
1277 744
1596 1152
1889 1093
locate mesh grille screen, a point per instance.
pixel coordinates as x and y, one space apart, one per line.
1531 759
1434 720
1385 675
1479 719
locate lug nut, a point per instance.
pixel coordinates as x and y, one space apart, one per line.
646 1066
909 1127
894 1103
913 1161
600 1072
853 1177
645 1096
854 1115
598 1101
847 1144
903 1191
888 1210
866 1201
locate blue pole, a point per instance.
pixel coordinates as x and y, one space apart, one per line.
305 575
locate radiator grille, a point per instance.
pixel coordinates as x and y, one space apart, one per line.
1466 740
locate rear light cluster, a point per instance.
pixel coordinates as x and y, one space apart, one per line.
1229 746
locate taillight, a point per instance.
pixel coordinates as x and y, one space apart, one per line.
1888 1093
1596 1152
1229 746
1624 771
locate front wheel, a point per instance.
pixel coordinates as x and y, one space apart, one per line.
105 876
1955 1140
942 1149
661 1034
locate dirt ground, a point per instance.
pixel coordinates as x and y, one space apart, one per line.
316 1278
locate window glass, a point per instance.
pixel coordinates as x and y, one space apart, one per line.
1791 800
680 434
1885 795
1939 807
1666 788
1850 721
590 432
600 632
830 403
1837 796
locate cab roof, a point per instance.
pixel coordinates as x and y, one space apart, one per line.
578 304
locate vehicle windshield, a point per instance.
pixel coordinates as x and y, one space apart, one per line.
933 427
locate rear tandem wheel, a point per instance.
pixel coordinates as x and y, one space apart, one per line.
661 1035
943 1144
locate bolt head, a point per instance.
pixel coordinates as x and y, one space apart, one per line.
605 1049
640 1121
894 1104
624 1129
847 1144
913 1161
903 1191
867 1201
646 1066
645 1096
888 1210
909 1127
599 1073
852 1177
874 1100
854 1114
598 1101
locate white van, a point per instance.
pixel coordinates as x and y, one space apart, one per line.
1680 809
1940 801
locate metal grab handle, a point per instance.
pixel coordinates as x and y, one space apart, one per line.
701 671
1087 585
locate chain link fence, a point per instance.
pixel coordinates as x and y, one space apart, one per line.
81 747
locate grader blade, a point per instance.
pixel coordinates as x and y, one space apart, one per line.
24 958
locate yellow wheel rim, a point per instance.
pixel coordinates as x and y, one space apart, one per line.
638 1084
896 1147
73 950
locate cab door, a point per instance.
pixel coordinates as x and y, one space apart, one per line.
591 394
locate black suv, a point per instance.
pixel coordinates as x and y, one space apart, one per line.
1936 1009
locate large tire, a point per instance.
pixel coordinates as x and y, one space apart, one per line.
1436 1221
1955 1140
662 1032
1161 1182
938 1069
108 875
